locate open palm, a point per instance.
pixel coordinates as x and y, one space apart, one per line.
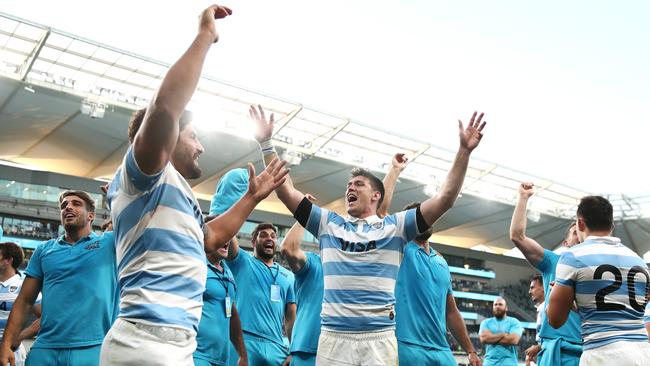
268 180
263 127
471 136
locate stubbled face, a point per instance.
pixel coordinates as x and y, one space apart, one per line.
219 254
186 153
499 308
572 237
264 243
536 292
4 263
359 197
74 214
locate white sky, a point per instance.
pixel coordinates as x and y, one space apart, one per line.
565 84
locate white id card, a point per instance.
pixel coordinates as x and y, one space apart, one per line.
275 293
228 307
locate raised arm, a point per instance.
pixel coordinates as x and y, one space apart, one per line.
531 249
157 137
291 248
220 230
21 308
457 327
287 193
470 137
398 164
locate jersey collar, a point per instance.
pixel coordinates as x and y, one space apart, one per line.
90 236
369 220
604 239
10 281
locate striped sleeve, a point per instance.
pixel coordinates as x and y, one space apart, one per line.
568 266
133 178
311 217
646 315
406 223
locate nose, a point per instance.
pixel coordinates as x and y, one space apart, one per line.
201 148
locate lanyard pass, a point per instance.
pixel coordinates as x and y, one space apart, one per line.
228 306
275 293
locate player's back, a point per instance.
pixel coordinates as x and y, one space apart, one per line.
611 282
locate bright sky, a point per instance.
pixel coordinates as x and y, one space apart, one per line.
565 84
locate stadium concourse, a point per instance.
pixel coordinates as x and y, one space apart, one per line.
65 103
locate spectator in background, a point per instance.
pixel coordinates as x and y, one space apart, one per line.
500 335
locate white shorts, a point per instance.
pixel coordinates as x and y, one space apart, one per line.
137 344
622 353
20 355
357 349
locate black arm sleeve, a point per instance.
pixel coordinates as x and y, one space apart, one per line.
302 212
422 224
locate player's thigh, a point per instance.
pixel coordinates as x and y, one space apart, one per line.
303 359
85 356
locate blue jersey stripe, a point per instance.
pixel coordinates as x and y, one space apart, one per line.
164 282
160 314
593 286
360 269
163 195
330 241
365 323
162 240
357 297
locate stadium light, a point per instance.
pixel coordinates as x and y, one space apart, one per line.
92 108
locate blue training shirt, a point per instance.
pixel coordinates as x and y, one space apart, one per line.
213 338
161 260
610 283
497 354
361 259
423 284
570 330
309 300
258 313
77 280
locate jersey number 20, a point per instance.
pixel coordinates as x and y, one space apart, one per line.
601 305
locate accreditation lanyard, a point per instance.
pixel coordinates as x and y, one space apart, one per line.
275 288
224 282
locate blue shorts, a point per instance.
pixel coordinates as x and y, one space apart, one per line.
303 359
262 352
80 356
411 354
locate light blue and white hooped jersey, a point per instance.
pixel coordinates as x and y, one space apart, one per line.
610 283
8 293
159 239
361 259
646 315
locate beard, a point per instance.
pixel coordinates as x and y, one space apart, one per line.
261 252
499 314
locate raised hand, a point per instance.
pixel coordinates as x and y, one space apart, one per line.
400 161
207 18
271 178
526 189
471 136
263 127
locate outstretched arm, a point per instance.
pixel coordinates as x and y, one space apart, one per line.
398 164
157 137
456 326
287 193
531 249
470 137
291 248
220 230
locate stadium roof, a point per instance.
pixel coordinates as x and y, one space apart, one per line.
65 102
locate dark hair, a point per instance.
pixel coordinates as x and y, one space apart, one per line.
597 213
568 230
375 182
425 235
90 204
263 226
106 224
537 278
13 251
138 116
